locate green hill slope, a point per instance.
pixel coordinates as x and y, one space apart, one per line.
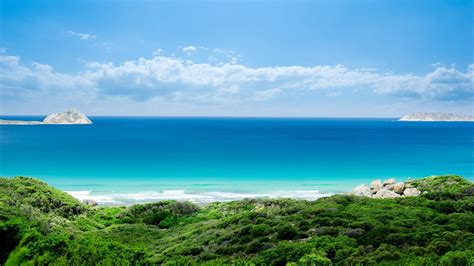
42 225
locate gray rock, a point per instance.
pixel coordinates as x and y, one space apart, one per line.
386 194
362 190
90 202
408 185
389 181
390 186
410 192
376 185
399 187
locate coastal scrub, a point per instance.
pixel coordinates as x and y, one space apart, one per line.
42 225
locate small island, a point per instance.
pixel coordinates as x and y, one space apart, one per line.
69 117
437 117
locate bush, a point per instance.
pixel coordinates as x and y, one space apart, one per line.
456 258
287 232
260 230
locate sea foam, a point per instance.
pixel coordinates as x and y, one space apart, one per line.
182 195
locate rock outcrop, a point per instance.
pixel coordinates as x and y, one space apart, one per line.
362 190
384 193
390 188
376 184
436 117
68 117
90 202
410 192
399 187
390 181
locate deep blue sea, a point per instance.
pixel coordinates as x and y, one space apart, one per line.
121 160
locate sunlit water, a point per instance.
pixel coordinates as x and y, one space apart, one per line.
123 160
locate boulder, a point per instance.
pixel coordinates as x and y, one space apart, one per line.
90 202
376 185
399 187
410 192
408 185
390 181
362 190
390 186
385 194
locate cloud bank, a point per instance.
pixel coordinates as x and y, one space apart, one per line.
174 79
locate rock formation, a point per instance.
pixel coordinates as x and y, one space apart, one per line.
399 187
90 202
390 188
362 190
376 184
385 193
411 192
68 117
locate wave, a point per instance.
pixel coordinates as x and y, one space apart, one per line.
182 195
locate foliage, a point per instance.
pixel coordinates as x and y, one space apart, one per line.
42 225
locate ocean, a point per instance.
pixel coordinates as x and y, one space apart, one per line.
126 160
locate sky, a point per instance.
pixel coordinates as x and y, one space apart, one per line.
237 58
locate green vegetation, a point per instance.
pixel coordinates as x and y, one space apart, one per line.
42 225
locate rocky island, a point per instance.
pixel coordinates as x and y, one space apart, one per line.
69 117
438 117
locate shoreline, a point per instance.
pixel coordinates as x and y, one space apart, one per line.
118 195
198 198
388 188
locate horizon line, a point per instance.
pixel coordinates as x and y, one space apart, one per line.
217 116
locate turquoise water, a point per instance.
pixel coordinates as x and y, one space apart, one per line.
138 159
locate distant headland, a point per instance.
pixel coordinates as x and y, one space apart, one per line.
437 117
69 117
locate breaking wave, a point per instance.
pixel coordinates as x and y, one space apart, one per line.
182 195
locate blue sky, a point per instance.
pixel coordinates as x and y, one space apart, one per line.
237 58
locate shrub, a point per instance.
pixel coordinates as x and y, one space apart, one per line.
456 258
41 225
287 232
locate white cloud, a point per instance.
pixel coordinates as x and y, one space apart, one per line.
10 61
39 81
157 52
82 36
177 80
190 49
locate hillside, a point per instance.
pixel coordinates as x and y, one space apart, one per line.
42 225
